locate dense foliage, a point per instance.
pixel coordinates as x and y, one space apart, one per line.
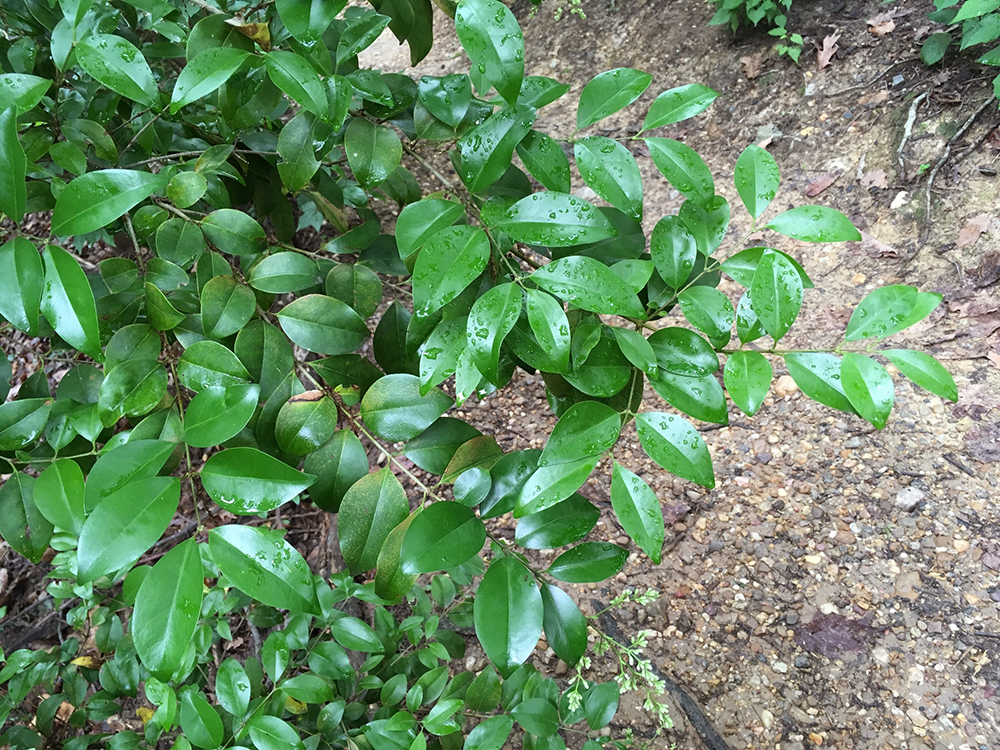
215 362
977 23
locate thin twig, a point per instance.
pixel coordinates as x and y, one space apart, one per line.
873 80
907 130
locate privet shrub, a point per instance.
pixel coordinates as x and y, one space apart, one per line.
977 23
211 357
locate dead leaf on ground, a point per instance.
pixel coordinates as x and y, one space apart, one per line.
834 635
828 50
877 98
875 179
973 229
752 64
818 184
766 134
881 24
877 248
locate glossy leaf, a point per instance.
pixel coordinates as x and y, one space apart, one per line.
68 302
201 725
204 74
123 466
492 38
601 704
552 484
679 104
537 716
284 272
888 310
492 317
563 523
776 294
22 526
590 285
447 97
226 306
308 20
209 363
98 198
22 421
486 150
295 76
166 610
373 151
323 324
264 566
272 733
588 562
638 511
267 355
748 378
868 387
443 535
246 481
925 371
363 27
585 430
611 170
394 409
708 310
550 325
815 224
58 495
818 374
683 352
305 422
508 614
233 232
337 465
420 221
126 524
743 265
296 147
232 687
608 92
675 445
21 91
218 413
358 286
683 168
490 734
636 349
673 249
131 389
545 160
700 397
21 283
449 261
756 177
120 66
390 580
13 193
371 509
555 220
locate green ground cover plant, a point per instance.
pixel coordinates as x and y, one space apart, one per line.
973 23
210 362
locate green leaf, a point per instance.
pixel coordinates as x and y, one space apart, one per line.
204 74
372 508
218 413
308 20
434 448
363 27
539 91
565 625
492 317
683 352
98 198
700 397
284 272
119 65
611 170
167 607
818 374
126 524
22 421
419 221
296 77
201 725
131 389
678 104
756 177
748 378
123 466
585 430
483 693
925 371
21 284
545 160
390 581
323 324
708 222
443 535
550 325
373 151
480 453
776 294
537 716
673 248
487 150
555 220
58 495
264 567
358 286
636 349
508 614
226 306
21 91
275 655
551 484
490 734
271 733
868 386
162 315
305 422
22 526
186 188
973 9
447 264
683 168
590 285
209 363
307 688
742 266
13 192
233 232
447 97
708 310
337 465
675 445
601 703
296 147
492 38
934 47
588 562
349 370
440 353
246 481
232 687
608 92
564 523
638 510
394 409
69 156
888 310
815 224
178 241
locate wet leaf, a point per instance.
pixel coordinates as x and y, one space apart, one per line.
608 92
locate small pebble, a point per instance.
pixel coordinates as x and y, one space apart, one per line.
801 662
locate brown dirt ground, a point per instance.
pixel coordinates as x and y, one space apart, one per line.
802 549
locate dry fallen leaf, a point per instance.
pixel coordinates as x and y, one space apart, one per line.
974 227
876 248
820 183
875 179
828 50
752 64
881 24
